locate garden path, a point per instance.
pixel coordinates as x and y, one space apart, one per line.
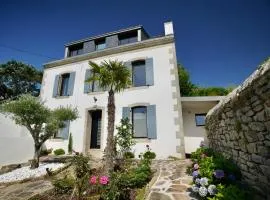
22 191
172 182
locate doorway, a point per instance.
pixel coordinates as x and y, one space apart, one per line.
95 136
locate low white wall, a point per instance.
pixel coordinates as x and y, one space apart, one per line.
193 134
16 144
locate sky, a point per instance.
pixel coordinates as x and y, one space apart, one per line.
220 42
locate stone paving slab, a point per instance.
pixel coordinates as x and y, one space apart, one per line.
172 183
24 191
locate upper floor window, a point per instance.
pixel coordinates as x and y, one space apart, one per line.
64 84
100 44
129 37
139 121
200 119
64 79
75 50
138 73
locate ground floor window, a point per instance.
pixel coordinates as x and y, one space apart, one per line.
200 119
139 121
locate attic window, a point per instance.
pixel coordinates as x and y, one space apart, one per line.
129 37
100 44
76 50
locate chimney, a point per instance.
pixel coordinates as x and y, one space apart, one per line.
168 28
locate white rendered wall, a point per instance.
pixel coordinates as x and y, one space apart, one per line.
194 135
16 144
159 94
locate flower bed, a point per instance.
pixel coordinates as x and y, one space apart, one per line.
216 177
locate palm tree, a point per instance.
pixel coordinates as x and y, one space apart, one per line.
113 76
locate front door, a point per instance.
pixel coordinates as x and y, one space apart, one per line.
95 129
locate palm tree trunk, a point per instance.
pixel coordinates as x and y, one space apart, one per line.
109 151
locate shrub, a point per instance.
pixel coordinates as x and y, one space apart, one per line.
59 152
124 138
64 185
82 173
128 155
45 152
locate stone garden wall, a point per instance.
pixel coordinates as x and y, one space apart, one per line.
239 126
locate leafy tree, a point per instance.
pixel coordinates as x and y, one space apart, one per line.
186 86
18 78
113 76
41 122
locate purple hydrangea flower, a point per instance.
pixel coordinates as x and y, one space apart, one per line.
204 181
197 181
195 173
219 173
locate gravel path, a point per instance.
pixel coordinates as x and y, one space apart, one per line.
26 172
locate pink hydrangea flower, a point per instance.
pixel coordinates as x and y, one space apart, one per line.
104 180
196 166
93 180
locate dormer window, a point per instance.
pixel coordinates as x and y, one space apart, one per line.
76 50
100 44
128 37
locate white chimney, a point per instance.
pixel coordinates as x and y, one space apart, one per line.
168 28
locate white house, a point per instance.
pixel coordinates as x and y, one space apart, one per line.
153 103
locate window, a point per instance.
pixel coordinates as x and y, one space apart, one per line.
63 133
200 119
64 79
139 122
76 50
100 44
126 38
138 73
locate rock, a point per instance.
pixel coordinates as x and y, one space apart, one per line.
257 126
258 108
251 148
256 158
264 151
159 196
250 113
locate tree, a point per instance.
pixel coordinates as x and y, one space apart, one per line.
113 76
41 122
185 84
18 78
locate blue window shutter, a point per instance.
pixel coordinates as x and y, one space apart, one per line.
87 85
71 83
55 87
96 87
151 122
126 113
64 132
149 70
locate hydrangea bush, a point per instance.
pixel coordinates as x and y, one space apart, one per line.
213 175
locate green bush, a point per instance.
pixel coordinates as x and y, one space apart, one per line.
70 143
45 152
59 152
231 192
128 155
149 155
64 185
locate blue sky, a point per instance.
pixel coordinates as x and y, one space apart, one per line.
219 42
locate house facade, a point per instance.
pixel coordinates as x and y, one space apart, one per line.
152 103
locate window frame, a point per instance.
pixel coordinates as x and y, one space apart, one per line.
75 50
132 121
199 115
61 87
100 42
133 65
128 37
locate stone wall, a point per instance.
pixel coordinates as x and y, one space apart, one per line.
239 126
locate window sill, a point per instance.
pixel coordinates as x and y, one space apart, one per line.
95 93
142 140
137 88
57 140
62 97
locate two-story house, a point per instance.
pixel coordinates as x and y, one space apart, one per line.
152 103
